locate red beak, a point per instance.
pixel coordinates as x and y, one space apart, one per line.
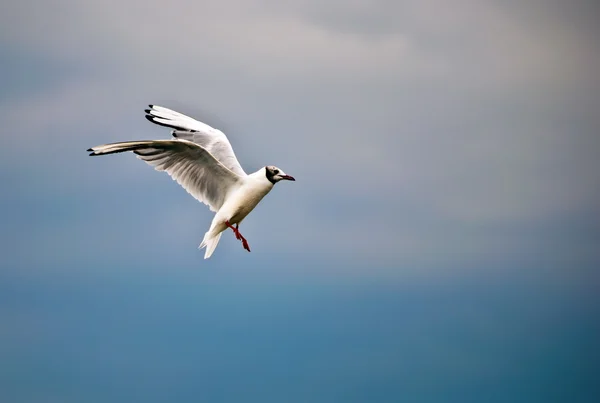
288 177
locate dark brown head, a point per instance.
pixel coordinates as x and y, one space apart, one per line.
275 174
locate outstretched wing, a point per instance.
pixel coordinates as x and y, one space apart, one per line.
187 128
192 166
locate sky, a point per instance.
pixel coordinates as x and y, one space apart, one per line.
440 242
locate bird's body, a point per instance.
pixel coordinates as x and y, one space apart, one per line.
202 161
244 199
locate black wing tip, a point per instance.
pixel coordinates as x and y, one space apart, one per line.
152 118
151 106
147 110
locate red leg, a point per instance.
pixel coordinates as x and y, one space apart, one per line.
244 242
238 235
235 230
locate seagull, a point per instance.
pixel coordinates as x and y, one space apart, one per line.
201 159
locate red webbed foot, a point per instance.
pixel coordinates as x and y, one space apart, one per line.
245 244
238 235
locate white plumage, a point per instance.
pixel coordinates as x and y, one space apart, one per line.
202 161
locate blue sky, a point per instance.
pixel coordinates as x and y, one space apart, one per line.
440 242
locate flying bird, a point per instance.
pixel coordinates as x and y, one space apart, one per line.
201 159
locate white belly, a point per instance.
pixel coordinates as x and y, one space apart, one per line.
242 202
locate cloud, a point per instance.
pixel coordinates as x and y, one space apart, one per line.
419 131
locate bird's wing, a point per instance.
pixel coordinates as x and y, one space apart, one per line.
187 128
191 165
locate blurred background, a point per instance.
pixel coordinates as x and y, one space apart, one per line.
441 242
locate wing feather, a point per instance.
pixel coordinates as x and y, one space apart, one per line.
188 163
187 128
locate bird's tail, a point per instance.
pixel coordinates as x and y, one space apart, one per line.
210 242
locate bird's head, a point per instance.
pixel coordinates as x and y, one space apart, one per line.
275 174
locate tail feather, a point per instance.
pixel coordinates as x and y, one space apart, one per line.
210 242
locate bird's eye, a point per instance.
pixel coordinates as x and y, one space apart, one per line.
276 171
